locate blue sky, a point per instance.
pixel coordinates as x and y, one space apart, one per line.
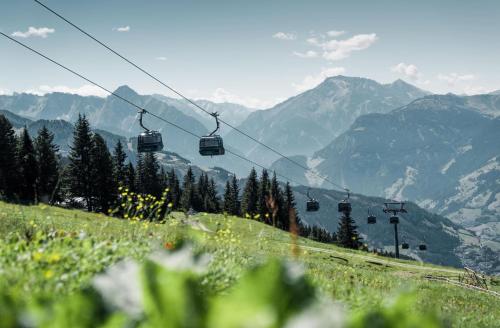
253 52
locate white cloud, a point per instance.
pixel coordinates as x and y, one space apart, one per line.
335 34
307 54
161 58
454 78
284 36
334 49
408 70
122 29
312 81
221 95
84 90
339 49
41 32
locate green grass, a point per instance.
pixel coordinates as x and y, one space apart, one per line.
48 252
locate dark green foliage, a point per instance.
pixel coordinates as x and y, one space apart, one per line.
201 193
147 181
290 206
235 189
188 191
8 165
80 166
347 233
264 191
174 194
119 168
130 177
212 199
249 203
103 184
48 165
231 197
228 198
28 168
280 218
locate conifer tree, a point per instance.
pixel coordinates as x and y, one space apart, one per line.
8 160
264 186
28 168
290 206
148 177
130 177
80 167
174 194
279 220
347 234
235 189
162 179
201 193
249 203
103 184
48 165
188 190
212 199
119 167
228 198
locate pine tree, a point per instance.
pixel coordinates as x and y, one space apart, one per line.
188 190
48 165
212 199
148 178
28 168
228 199
201 193
130 177
235 189
174 194
80 167
347 234
279 217
264 186
249 203
103 184
290 208
8 160
119 168
162 179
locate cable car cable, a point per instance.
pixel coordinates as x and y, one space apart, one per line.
186 98
133 104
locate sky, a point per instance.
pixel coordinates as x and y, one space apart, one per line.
256 53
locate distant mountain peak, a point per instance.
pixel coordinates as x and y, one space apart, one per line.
125 91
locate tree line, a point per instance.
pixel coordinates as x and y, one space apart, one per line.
31 171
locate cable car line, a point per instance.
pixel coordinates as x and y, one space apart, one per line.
186 98
141 110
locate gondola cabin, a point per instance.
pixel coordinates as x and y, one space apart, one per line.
422 247
344 206
405 246
312 205
149 141
211 146
394 220
372 219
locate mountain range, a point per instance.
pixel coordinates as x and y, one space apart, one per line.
309 121
392 141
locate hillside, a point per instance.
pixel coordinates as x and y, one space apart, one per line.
309 121
76 245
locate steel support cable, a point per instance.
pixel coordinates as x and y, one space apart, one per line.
193 103
133 104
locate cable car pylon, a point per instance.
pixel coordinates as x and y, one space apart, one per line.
394 208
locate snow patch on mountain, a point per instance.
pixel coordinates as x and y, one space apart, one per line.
395 191
445 168
468 185
312 175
